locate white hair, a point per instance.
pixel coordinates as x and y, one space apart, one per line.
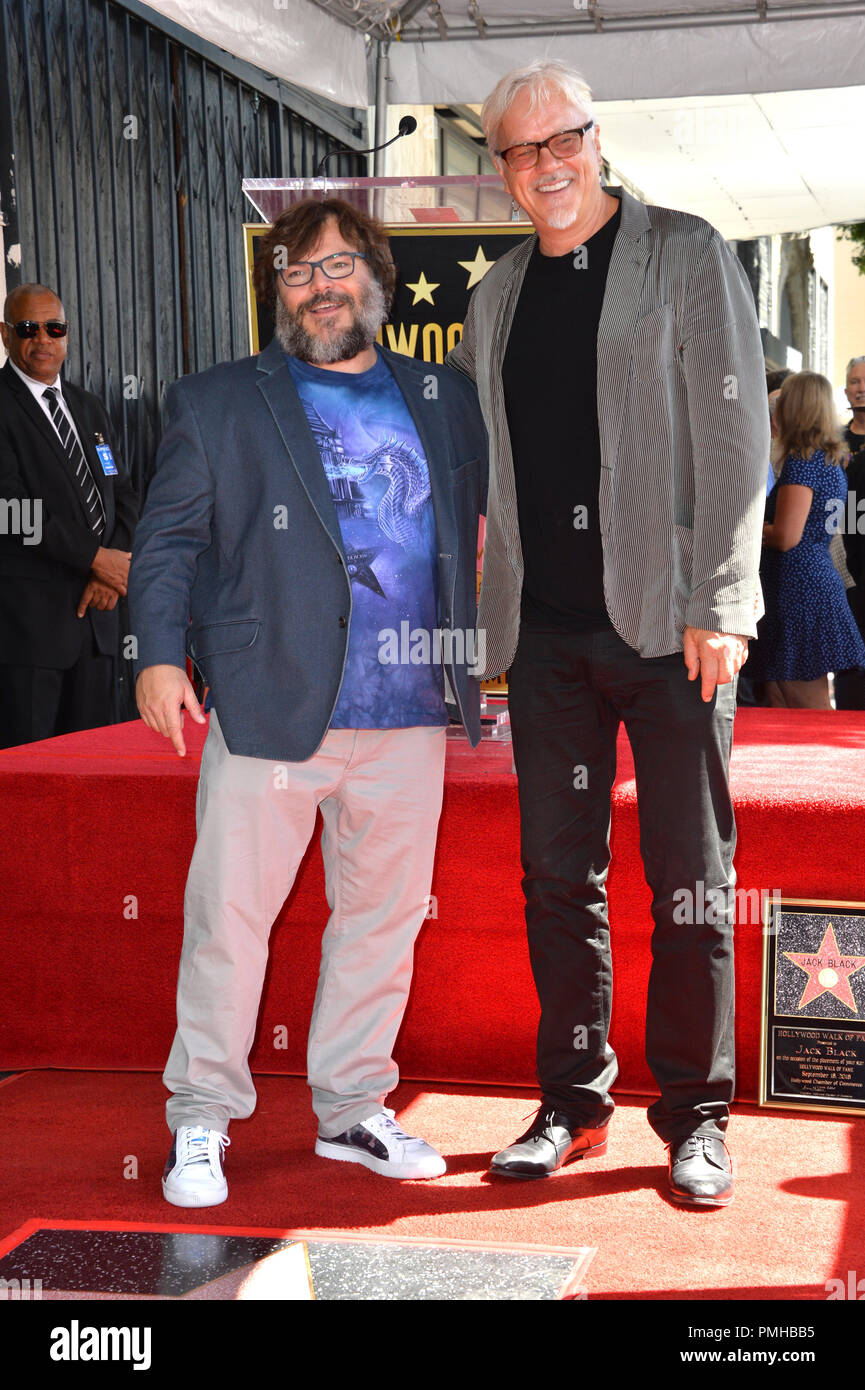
854 362
541 78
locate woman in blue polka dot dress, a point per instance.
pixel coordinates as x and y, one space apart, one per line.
808 629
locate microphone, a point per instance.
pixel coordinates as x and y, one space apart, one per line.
407 126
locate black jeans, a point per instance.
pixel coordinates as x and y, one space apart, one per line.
568 694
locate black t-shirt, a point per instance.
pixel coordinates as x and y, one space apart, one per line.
854 541
855 442
550 383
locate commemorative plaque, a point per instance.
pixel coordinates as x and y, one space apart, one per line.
812 1042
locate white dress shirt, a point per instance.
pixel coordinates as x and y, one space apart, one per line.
38 388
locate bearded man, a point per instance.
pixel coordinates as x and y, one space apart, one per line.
306 503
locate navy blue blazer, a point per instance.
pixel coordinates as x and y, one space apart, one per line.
238 557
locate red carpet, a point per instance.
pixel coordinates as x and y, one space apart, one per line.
797 1220
96 831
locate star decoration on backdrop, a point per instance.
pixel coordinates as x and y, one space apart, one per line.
359 566
828 970
422 290
477 268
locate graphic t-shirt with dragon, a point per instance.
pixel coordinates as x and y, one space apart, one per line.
379 481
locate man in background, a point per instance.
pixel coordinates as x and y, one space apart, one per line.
66 529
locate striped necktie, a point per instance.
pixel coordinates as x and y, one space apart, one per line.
90 494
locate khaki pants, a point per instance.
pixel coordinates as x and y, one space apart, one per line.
380 794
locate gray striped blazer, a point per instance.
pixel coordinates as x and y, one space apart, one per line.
684 429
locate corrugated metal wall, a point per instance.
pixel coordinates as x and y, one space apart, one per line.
123 142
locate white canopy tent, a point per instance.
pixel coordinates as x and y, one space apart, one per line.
749 112
633 49
755 165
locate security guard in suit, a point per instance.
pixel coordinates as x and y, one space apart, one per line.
67 519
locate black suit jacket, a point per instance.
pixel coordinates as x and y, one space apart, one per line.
41 584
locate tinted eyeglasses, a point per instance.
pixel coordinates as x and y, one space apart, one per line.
28 328
563 145
336 267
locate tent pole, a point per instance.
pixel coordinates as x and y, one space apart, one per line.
381 75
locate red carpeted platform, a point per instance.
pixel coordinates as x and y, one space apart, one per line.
96 831
796 1222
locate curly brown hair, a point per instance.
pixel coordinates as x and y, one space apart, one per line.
298 229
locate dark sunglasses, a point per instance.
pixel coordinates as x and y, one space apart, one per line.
28 328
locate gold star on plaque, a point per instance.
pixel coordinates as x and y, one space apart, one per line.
422 290
477 268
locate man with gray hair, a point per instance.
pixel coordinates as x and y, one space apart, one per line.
854 390
620 370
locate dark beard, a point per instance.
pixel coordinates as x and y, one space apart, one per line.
368 315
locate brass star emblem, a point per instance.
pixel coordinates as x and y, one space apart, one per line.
422 290
477 268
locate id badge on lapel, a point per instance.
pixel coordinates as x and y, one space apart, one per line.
106 458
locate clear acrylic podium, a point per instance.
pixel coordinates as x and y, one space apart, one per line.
433 200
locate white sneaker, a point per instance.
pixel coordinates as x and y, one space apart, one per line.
193 1174
379 1144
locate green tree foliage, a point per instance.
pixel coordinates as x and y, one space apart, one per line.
855 232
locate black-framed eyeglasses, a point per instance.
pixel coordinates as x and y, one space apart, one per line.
335 267
28 328
563 145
